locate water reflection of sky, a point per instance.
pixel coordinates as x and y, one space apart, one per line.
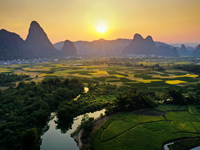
53 139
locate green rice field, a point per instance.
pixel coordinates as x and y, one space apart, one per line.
130 131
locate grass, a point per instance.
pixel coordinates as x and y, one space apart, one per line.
197 126
143 118
6 70
81 72
113 80
116 128
106 124
171 107
102 79
193 110
183 126
97 134
159 126
180 116
47 75
120 116
110 144
139 138
125 80
147 132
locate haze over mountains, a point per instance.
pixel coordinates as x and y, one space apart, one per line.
196 52
123 47
68 49
99 47
38 45
141 46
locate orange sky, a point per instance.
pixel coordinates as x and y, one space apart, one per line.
169 21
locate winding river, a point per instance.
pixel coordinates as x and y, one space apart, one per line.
53 139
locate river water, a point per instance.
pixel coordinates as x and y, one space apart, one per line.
53 139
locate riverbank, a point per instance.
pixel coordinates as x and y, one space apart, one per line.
98 122
77 134
184 143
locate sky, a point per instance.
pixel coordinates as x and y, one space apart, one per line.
170 21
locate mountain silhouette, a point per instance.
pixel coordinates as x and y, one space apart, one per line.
141 46
37 45
13 46
68 49
99 47
196 51
111 47
167 51
39 42
183 51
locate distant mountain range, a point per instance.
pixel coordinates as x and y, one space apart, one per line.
141 46
111 48
119 47
99 47
38 45
196 52
194 45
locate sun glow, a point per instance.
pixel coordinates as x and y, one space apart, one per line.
101 28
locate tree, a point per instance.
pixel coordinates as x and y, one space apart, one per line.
121 102
133 100
175 97
30 140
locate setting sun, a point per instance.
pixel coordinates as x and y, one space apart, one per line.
101 28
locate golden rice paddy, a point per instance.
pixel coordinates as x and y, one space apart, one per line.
118 76
83 67
61 65
175 82
46 75
99 73
149 81
37 69
187 75
21 73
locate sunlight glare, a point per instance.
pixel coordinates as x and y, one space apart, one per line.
101 28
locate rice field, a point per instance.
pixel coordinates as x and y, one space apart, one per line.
187 75
6 70
136 76
149 81
99 73
175 81
130 131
